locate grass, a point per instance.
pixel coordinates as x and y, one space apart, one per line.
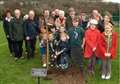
19 72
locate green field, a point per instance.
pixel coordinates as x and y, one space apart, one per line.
19 72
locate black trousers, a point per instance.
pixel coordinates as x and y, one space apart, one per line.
31 47
18 48
26 45
10 45
77 57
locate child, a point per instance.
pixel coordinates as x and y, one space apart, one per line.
63 49
107 47
76 34
91 42
43 46
51 49
53 44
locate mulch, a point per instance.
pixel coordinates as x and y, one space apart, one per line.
69 76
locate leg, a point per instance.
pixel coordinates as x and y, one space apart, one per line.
10 45
33 43
16 49
28 48
26 44
20 48
91 65
76 54
108 68
103 69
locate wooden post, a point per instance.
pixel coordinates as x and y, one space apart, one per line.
47 53
38 80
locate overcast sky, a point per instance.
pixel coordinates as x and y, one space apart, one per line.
116 1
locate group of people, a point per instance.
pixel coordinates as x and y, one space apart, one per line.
64 39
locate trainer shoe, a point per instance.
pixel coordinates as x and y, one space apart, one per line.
108 77
44 65
103 76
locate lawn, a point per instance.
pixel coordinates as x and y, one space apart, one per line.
12 72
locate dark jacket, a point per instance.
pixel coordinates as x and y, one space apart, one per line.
16 29
76 36
31 28
6 26
68 22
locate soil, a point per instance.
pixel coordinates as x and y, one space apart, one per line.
69 76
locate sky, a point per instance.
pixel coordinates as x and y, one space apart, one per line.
115 1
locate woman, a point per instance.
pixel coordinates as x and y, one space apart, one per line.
6 26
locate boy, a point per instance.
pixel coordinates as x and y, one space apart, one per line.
76 34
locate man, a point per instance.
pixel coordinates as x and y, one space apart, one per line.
46 15
31 28
70 17
17 33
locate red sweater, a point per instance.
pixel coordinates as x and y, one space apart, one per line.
91 41
103 46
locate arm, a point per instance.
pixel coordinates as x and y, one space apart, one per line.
114 45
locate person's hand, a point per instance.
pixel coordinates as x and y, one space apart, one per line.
94 49
56 53
12 39
37 37
107 54
27 38
82 46
7 36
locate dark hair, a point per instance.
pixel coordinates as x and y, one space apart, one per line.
6 12
76 19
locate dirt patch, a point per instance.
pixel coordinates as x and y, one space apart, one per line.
69 76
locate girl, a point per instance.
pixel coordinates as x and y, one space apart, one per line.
43 46
107 48
91 42
6 26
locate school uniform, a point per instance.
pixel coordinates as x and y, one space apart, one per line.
110 46
64 55
52 49
75 41
91 41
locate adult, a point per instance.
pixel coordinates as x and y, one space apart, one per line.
17 33
31 27
6 25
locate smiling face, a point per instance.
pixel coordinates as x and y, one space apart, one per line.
8 14
46 13
92 26
17 13
75 23
106 18
62 29
61 14
51 37
31 14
